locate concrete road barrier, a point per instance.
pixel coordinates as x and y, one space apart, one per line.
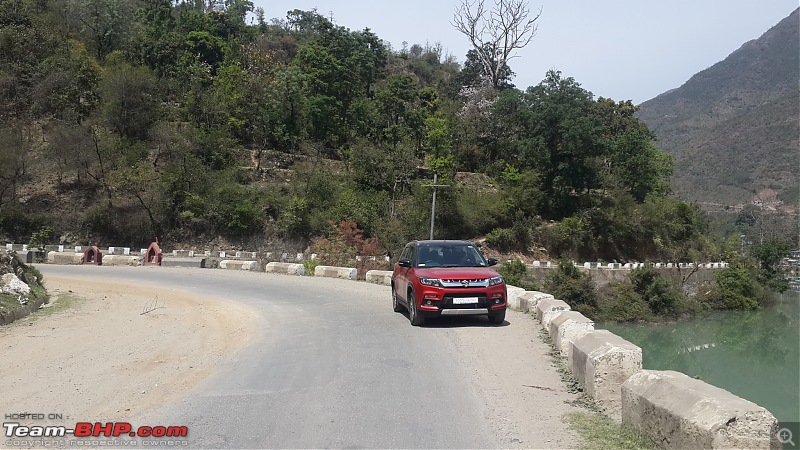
347 273
679 412
548 308
567 327
514 293
68 258
379 277
239 265
26 256
601 361
530 299
199 263
285 268
121 260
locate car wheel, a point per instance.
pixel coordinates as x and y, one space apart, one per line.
396 306
497 318
413 315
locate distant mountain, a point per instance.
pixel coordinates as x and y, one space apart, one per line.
734 129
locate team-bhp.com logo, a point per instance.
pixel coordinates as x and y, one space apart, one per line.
97 429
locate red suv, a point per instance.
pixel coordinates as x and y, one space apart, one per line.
443 278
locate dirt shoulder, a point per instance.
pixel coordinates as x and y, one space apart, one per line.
524 396
103 360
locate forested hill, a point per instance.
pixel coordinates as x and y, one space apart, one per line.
733 128
126 120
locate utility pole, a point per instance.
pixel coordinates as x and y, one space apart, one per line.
433 203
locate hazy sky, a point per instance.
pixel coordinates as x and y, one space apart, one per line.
622 49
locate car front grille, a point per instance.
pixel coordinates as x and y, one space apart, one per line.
466 283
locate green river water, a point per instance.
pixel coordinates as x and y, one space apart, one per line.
755 354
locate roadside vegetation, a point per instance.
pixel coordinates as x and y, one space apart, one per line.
647 296
13 305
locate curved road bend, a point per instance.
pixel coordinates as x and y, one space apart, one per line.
333 366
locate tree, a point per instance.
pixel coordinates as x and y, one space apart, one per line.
102 22
769 255
496 34
474 74
131 103
15 144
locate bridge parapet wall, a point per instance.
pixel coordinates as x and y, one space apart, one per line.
673 409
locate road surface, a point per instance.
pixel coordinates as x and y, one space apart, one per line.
313 363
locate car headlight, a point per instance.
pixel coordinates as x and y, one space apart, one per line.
430 281
494 281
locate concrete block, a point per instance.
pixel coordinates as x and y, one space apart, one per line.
529 300
567 327
601 361
513 295
379 277
199 263
122 260
548 307
238 265
347 273
285 268
66 258
26 256
678 411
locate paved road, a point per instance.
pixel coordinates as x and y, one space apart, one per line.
332 366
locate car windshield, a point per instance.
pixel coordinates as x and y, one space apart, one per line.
449 255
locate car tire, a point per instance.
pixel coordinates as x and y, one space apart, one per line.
413 315
498 317
396 306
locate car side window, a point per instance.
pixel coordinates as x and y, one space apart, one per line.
411 252
405 253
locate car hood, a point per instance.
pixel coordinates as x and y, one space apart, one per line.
448 273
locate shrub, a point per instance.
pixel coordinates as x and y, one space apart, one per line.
659 295
623 304
345 241
571 285
310 265
501 239
736 289
515 274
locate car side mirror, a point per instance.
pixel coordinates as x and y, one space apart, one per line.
492 261
404 263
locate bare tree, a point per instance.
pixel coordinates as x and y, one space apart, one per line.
495 34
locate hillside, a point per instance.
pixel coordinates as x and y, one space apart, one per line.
191 125
733 128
